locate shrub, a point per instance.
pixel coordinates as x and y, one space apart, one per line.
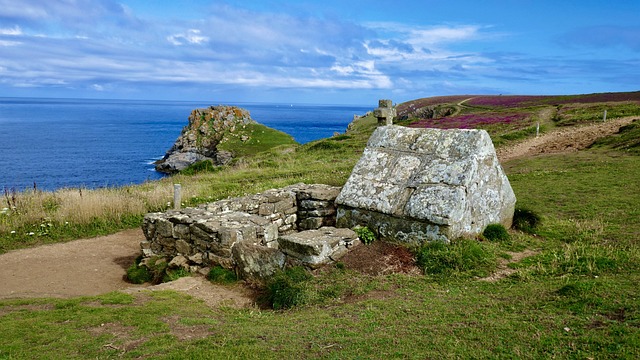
220 275
365 234
286 289
464 255
137 274
525 220
495 232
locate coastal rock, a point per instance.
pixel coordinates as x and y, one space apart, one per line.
200 138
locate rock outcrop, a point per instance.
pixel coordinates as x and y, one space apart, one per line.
417 185
200 138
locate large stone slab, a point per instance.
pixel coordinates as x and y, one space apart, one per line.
419 185
318 246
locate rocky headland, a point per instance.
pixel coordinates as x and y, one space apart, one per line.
200 139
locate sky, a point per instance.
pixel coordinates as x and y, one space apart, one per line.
320 52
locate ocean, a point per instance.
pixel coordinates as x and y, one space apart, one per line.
59 143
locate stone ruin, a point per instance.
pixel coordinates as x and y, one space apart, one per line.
410 185
255 235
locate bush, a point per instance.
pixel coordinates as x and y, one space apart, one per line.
365 234
439 258
525 220
220 275
137 274
286 288
495 232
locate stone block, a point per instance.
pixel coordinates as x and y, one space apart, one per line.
256 262
426 184
311 223
318 192
183 248
315 247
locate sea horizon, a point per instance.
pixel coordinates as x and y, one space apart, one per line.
59 143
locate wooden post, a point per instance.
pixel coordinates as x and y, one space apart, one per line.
538 129
177 196
604 118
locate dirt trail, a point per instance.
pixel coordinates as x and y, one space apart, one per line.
92 267
563 139
97 266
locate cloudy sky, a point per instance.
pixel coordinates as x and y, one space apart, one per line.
328 51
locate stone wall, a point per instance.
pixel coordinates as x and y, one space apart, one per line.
240 231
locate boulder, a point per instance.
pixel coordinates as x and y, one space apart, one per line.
417 185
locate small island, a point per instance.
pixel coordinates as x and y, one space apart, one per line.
219 134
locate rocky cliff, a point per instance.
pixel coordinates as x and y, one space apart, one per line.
199 140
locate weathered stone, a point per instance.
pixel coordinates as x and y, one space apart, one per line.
318 192
196 258
179 262
256 262
311 223
315 247
182 247
270 233
315 204
418 185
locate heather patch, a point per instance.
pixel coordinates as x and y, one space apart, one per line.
475 121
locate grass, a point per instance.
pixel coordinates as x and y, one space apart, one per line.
577 297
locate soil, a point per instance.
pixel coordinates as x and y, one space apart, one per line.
96 266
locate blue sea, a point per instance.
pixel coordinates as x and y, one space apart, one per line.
58 143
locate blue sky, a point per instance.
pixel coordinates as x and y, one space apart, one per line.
328 52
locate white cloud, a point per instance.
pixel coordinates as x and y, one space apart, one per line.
192 36
15 31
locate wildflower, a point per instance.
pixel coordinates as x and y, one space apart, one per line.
13 232
31 233
66 223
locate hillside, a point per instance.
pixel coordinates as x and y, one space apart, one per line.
563 285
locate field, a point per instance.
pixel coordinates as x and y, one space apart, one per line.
568 287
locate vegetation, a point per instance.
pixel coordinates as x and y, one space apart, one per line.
495 232
220 275
365 234
463 257
574 296
287 288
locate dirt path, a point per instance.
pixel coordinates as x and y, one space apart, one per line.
92 267
563 139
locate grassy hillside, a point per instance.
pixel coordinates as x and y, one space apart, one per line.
575 296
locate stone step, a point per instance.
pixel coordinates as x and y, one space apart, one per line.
318 247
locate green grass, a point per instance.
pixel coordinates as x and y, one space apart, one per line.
576 297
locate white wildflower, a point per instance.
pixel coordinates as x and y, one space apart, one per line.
31 233
13 232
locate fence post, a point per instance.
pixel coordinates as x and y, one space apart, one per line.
177 196
604 118
538 129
